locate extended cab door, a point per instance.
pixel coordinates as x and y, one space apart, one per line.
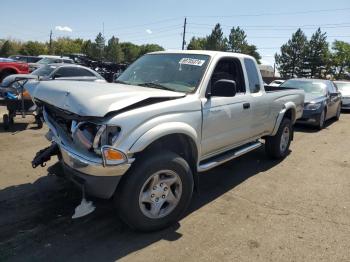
226 120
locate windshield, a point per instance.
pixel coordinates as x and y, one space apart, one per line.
47 60
175 72
44 70
312 87
343 86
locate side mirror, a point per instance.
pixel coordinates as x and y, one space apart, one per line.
224 88
333 95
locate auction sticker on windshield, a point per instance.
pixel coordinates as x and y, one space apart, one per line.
191 61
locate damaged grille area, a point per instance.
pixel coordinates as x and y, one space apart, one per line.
82 131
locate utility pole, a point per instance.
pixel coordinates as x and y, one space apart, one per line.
184 35
50 43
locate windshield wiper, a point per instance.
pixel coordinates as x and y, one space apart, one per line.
155 85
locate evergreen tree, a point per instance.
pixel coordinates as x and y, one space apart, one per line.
197 43
114 52
99 46
237 43
216 40
317 54
6 49
292 60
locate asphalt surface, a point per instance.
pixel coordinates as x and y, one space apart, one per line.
250 209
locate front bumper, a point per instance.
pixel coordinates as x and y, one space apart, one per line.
311 117
99 180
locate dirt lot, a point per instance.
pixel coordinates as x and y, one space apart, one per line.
251 209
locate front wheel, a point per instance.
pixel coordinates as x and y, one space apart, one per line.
322 120
337 115
277 146
156 191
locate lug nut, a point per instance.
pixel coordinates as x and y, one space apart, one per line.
154 188
152 195
161 184
163 196
157 199
165 188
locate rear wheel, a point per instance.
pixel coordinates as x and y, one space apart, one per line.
277 146
6 121
156 192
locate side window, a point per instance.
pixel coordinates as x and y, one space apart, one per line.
253 75
331 87
73 72
229 69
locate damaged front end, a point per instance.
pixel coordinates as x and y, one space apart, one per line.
86 149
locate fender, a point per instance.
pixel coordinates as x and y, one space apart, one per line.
162 130
286 107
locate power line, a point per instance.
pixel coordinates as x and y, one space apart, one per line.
274 14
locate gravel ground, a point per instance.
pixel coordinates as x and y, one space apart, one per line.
250 209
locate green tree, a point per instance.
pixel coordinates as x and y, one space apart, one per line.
341 58
99 46
114 52
144 49
34 48
317 54
197 43
66 45
216 40
238 43
237 40
292 60
131 51
7 49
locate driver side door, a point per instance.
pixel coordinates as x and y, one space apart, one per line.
226 120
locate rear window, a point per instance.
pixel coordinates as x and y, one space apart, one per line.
253 75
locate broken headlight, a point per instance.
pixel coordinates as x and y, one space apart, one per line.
105 136
91 136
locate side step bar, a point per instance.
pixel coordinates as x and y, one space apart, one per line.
227 156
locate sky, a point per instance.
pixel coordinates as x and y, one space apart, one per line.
268 24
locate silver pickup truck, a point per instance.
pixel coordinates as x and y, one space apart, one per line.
145 140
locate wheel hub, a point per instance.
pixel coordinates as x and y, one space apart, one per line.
160 194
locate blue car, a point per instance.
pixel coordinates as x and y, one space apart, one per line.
322 100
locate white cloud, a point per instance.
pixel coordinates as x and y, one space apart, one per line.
149 31
63 28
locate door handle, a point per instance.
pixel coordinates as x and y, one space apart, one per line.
246 105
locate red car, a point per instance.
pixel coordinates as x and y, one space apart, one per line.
9 67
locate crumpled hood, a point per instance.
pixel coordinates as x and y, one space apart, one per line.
94 99
313 98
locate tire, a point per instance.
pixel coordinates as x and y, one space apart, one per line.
4 75
6 121
322 120
137 193
38 122
337 115
277 146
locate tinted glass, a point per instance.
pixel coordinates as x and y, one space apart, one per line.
176 72
309 86
44 70
73 72
253 75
